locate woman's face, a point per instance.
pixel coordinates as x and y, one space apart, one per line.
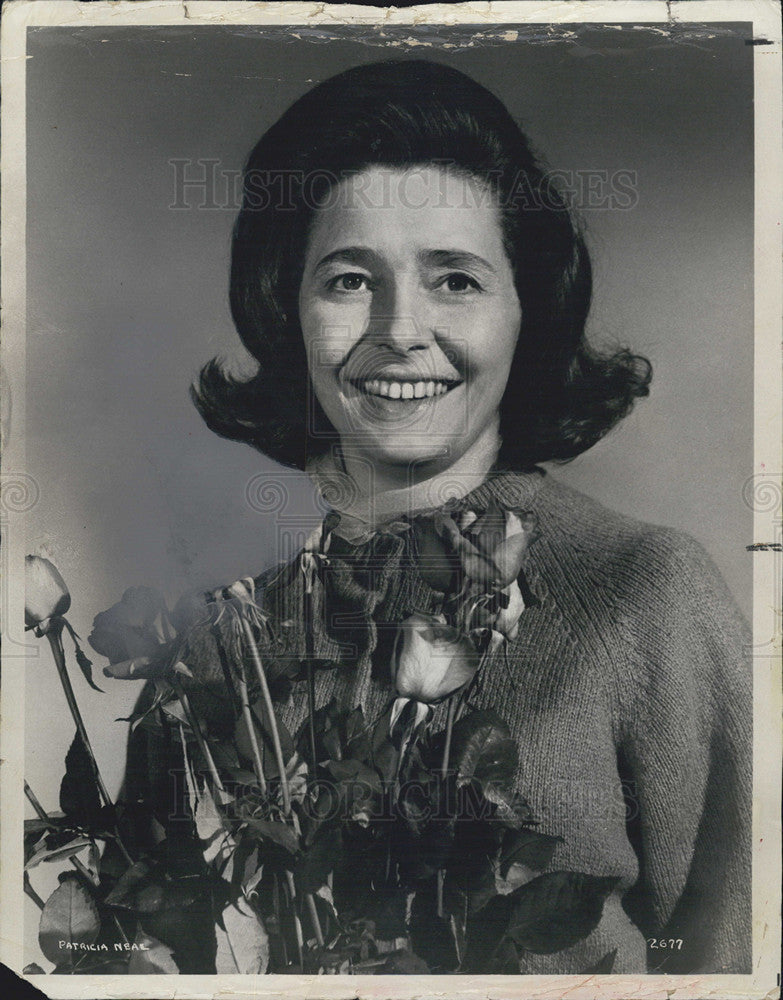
409 315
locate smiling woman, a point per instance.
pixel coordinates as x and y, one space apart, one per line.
522 721
401 147
400 332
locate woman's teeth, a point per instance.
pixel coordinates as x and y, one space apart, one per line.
404 390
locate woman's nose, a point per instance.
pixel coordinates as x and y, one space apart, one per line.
400 333
400 320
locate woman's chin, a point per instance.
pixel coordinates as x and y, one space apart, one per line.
428 454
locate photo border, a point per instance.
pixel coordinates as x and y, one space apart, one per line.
763 490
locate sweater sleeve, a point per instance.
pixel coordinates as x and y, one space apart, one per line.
684 732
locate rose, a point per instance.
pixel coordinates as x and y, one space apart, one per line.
488 548
129 628
46 595
131 634
47 600
431 659
498 613
492 546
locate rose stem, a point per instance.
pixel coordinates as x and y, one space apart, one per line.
247 715
29 891
463 695
55 637
259 667
309 656
191 781
193 722
319 936
441 879
77 863
33 800
277 907
169 632
271 712
456 936
444 770
297 921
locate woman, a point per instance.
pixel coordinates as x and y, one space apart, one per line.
416 295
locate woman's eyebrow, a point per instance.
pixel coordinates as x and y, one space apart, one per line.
361 256
456 258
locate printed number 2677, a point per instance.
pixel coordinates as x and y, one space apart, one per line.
674 943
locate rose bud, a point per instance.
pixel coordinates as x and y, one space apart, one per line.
507 620
431 660
46 595
494 547
495 641
521 531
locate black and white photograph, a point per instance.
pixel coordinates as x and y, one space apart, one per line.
391 501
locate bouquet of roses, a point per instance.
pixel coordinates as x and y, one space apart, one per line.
351 846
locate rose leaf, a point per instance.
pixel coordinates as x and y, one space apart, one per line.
482 750
79 795
527 847
70 914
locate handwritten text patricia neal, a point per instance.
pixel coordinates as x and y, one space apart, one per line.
117 946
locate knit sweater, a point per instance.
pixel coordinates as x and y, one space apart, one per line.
628 692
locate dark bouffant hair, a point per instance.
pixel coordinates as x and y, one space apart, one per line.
562 395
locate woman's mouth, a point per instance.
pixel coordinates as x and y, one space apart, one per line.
404 390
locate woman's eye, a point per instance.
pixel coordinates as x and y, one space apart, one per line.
460 282
350 282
